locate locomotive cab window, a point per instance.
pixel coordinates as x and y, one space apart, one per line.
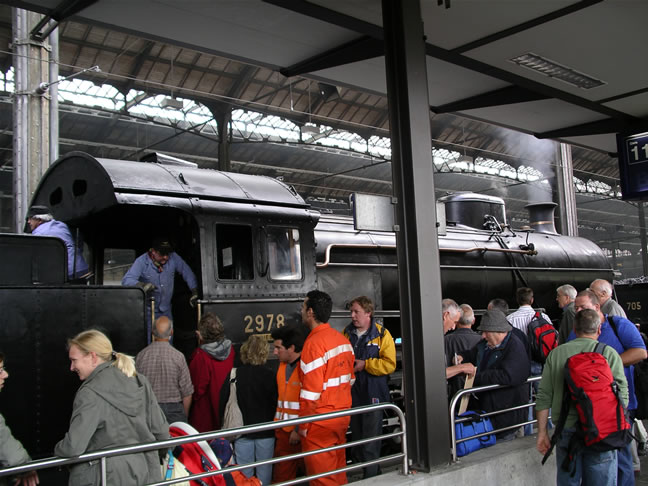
234 252
284 253
116 263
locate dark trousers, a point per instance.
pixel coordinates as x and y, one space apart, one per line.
364 426
174 412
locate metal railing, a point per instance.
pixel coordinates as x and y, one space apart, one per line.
171 443
454 419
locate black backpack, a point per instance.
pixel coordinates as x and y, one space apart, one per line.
542 337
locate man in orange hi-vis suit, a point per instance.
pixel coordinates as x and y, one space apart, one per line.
288 344
326 372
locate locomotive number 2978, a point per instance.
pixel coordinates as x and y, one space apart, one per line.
260 322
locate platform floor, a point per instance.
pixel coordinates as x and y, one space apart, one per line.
511 463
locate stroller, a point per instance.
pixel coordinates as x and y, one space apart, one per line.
199 457
196 457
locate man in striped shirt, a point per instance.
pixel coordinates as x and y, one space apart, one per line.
326 373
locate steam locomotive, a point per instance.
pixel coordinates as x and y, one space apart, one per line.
256 247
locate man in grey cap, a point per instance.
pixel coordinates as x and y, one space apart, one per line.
499 358
42 223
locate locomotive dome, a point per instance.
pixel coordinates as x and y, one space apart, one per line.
471 209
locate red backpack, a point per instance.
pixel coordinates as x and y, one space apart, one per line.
542 337
602 420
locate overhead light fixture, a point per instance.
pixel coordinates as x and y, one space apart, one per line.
173 103
328 91
556 70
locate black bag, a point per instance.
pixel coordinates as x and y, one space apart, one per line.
542 337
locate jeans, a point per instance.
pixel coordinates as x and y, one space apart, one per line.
536 370
364 426
251 450
593 468
626 468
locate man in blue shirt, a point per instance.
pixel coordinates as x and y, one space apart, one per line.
626 341
42 223
154 272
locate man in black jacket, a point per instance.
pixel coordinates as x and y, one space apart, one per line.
499 358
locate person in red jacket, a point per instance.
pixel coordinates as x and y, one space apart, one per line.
288 344
326 374
209 366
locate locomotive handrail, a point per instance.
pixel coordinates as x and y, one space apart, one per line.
171 443
454 419
327 253
483 248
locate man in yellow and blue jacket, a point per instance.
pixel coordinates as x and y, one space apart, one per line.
375 360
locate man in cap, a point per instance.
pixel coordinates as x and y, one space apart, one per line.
42 223
499 358
155 270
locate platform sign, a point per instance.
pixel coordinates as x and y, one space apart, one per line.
633 165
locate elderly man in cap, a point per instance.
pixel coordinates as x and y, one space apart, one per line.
499 358
155 270
42 223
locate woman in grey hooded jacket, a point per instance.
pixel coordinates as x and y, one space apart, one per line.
113 407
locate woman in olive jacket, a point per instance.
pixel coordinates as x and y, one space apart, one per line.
113 407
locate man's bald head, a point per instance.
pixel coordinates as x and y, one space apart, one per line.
603 289
162 329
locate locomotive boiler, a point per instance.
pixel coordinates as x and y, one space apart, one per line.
256 248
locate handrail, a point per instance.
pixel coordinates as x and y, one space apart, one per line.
327 253
454 419
169 443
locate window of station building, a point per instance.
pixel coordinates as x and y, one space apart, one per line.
117 261
284 253
234 252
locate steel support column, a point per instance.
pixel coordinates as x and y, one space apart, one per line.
53 94
566 196
416 236
31 113
644 242
223 115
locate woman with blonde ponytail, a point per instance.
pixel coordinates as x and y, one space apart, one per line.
113 407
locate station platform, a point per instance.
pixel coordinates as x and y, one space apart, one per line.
515 462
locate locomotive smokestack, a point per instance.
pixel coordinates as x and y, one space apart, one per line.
541 217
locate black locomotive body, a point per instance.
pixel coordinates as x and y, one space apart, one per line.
256 248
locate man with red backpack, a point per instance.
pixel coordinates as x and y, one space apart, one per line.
541 338
623 336
593 466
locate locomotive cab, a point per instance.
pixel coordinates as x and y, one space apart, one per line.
248 239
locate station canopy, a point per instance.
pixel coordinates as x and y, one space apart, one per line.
566 70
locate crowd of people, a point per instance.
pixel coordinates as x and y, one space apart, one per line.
124 400
500 354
